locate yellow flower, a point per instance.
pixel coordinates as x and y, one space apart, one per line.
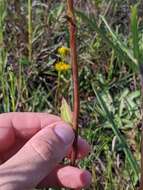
62 66
63 51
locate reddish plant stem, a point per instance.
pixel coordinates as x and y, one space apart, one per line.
141 179
141 81
73 52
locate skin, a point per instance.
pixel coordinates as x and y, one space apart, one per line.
32 146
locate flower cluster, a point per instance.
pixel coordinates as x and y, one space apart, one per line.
62 65
63 51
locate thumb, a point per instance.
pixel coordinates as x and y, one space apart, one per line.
37 158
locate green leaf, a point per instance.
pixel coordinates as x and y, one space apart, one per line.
121 49
66 113
133 163
135 32
118 42
24 61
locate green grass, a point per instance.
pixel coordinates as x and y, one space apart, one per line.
110 38
30 30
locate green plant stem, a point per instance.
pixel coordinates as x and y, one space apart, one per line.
73 52
137 53
30 30
58 91
3 57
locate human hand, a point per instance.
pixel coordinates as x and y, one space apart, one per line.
31 148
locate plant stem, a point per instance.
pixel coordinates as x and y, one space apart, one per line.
3 57
141 81
73 52
58 91
141 179
30 29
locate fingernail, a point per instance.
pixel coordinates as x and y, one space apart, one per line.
86 178
65 133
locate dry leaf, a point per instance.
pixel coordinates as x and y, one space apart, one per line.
66 113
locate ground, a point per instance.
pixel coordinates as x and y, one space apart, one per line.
108 76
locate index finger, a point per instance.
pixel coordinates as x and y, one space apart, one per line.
22 125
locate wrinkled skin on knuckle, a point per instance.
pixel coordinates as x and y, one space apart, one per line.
49 149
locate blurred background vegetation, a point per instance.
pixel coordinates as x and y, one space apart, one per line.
110 44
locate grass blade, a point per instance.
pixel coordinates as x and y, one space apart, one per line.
133 163
119 42
115 43
134 30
